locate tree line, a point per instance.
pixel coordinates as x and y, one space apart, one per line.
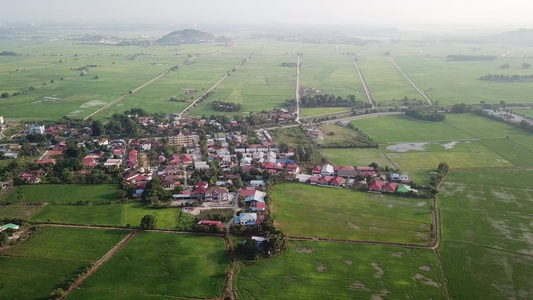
507 78
327 100
424 115
458 57
226 106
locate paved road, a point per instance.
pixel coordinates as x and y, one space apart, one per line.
365 86
297 94
412 83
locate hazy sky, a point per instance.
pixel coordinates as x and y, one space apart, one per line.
496 13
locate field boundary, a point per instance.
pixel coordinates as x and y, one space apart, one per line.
368 93
100 262
412 83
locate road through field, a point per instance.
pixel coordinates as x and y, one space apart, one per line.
297 94
363 81
412 83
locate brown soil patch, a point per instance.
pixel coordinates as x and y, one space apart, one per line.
379 270
353 226
290 278
321 267
426 280
304 250
377 297
349 262
358 285
397 254
425 268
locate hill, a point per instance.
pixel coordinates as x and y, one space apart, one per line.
185 36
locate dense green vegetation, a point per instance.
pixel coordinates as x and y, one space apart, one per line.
64 194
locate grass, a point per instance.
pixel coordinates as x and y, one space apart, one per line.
511 151
525 112
167 265
310 211
399 128
110 215
316 270
355 156
18 211
82 294
64 194
486 128
167 218
67 243
315 111
486 231
341 136
33 268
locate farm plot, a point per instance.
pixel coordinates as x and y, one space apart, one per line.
64 194
110 215
451 82
418 159
356 157
311 270
18 211
335 135
167 218
186 84
333 75
487 233
34 268
486 128
385 82
178 266
262 83
513 152
315 111
278 48
310 211
525 112
399 128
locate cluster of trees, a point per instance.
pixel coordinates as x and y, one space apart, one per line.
425 116
327 100
275 242
461 108
8 53
289 64
507 78
458 57
441 171
154 192
226 106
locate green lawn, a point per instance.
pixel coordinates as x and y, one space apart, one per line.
399 128
167 218
64 194
167 265
315 111
317 270
341 136
486 228
525 112
310 211
511 151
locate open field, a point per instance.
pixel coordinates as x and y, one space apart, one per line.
333 74
525 112
64 193
399 128
165 264
260 84
513 152
487 233
355 156
33 268
340 136
486 128
112 215
314 111
436 76
310 211
18 211
311 270
385 82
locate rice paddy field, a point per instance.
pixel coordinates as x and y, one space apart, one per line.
63 194
310 211
486 233
162 265
34 268
312 270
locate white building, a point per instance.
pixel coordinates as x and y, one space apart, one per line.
36 129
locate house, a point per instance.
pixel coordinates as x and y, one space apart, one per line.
36 128
259 206
113 162
365 171
201 165
257 183
146 145
247 192
217 194
376 185
9 226
389 187
103 142
403 188
186 159
303 177
324 180
246 219
257 197
403 178
46 161
293 169
181 139
394 177
314 179
337 181
199 189
327 169
174 160
30 177
90 161
209 223
346 171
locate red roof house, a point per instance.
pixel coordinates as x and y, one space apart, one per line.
316 170
209 223
336 181
46 161
376 185
389 187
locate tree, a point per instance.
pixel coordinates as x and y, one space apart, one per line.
248 249
4 95
57 293
443 168
526 66
148 222
21 198
4 238
505 66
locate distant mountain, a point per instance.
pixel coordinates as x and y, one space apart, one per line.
185 36
522 37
